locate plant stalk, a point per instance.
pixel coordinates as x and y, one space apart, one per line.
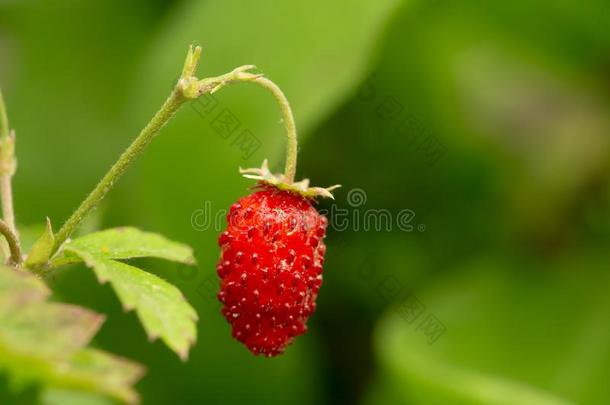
165 113
15 258
6 196
8 165
188 88
4 127
241 74
291 129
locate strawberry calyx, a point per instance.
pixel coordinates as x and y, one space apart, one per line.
264 176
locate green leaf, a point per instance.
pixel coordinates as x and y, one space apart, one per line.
99 372
45 343
515 332
332 57
42 248
68 397
87 370
46 328
161 307
18 288
125 243
419 370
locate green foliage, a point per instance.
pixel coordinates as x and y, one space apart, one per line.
161 307
125 243
42 249
45 343
497 325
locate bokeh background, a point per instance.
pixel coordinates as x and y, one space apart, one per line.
487 121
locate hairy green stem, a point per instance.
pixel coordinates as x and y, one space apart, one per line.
8 165
188 88
169 108
291 129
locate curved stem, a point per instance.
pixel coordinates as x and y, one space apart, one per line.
13 243
241 74
291 129
165 113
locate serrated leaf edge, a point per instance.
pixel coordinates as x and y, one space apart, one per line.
91 261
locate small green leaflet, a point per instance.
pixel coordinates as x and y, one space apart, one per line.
45 343
42 248
125 243
160 307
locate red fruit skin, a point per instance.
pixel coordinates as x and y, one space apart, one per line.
270 268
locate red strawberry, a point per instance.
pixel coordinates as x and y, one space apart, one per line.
271 267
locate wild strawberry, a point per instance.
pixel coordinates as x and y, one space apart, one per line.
270 267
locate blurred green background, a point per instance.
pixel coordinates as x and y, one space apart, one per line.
489 121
